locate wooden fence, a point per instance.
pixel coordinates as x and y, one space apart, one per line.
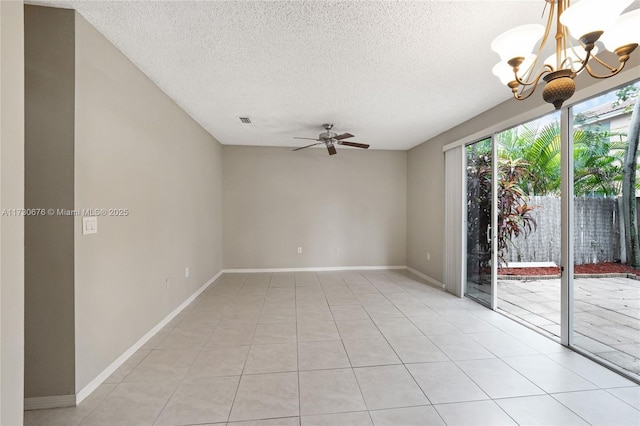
597 232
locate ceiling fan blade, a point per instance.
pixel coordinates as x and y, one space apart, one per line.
303 147
311 139
355 144
343 136
331 149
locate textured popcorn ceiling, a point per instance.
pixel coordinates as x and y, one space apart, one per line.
393 73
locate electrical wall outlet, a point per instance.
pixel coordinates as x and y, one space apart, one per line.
299 250
89 225
428 256
186 272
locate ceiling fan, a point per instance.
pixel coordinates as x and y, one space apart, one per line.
330 139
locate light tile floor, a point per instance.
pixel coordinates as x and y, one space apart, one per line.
349 348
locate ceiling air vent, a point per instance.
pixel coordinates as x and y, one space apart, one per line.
245 120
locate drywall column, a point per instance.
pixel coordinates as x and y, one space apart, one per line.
49 185
11 197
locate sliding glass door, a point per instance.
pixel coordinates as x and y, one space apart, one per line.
529 260
479 183
551 226
606 290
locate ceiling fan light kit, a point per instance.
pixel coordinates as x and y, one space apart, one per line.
577 28
331 139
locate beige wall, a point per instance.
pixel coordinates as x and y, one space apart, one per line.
425 209
347 209
136 149
113 141
49 169
11 197
425 174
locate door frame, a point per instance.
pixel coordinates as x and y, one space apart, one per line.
493 301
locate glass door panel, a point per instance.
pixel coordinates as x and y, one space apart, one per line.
479 199
606 292
528 235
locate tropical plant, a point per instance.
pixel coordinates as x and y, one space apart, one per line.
597 163
478 205
514 212
540 149
598 159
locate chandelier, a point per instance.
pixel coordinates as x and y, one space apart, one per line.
578 27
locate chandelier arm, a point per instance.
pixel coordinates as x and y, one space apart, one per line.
519 96
547 30
522 81
583 64
601 62
545 69
614 71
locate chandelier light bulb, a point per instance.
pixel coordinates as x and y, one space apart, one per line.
518 41
589 16
504 71
625 30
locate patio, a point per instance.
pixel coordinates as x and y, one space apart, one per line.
606 313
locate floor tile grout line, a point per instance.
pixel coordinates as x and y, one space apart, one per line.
180 382
235 395
97 404
295 306
583 390
395 351
355 376
544 392
457 366
576 373
413 377
567 407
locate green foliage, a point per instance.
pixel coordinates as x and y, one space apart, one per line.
540 149
598 157
597 163
625 93
514 212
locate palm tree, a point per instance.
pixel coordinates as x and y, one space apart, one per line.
597 163
629 186
539 147
597 159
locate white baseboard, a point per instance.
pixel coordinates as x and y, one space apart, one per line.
93 385
426 277
44 402
313 269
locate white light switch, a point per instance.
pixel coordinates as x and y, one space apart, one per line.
89 225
